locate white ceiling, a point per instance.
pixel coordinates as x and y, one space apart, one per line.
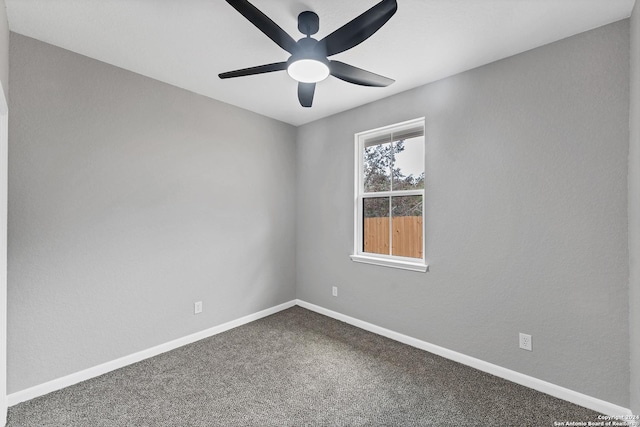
187 43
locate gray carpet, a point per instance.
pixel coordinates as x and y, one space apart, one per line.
296 368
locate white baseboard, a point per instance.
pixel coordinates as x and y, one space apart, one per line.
598 405
59 383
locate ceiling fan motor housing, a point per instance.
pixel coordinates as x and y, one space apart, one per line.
308 48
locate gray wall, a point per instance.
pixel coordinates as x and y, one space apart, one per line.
526 214
4 48
4 92
634 212
130 199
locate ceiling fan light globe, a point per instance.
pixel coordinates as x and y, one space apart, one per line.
308 70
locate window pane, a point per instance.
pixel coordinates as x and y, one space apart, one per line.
407 226
408 164
377 167
376 225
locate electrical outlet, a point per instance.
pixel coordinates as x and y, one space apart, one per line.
525 341
197 307
334 291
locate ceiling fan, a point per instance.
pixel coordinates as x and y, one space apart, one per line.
309 63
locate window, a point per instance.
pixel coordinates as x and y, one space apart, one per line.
389 196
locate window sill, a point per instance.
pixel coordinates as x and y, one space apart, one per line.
393 263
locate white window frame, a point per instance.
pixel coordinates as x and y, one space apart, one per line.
405 263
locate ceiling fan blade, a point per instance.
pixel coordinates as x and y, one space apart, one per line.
359 29
357 76
264 24
260 69
305 93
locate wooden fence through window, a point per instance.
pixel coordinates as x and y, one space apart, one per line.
407 236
